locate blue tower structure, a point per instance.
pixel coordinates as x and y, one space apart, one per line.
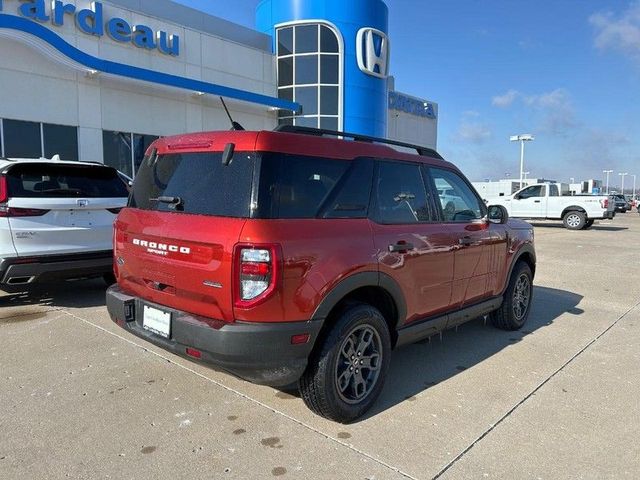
333 59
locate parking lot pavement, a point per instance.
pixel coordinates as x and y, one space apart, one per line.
83 399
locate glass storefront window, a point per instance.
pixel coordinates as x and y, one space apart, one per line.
125 151
116 147
309 73
60 140
21 139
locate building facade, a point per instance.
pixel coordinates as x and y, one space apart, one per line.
99 81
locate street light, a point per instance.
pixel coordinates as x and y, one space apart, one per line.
607 172
623 175
634 186
522 138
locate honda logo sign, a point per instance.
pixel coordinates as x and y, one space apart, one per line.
373 52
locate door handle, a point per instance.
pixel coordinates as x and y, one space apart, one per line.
466 241
401 247
536 201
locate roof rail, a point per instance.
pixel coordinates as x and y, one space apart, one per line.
321 132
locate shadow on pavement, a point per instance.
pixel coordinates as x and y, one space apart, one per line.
417 367
604 228
75 294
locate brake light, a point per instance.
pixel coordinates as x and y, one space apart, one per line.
21 212
257 273
604 203
4 189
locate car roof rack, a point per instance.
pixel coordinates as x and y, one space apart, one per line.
321 132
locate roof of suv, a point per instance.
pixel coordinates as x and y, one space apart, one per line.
6 162
292 143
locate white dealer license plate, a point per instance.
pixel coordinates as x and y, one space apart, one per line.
157 321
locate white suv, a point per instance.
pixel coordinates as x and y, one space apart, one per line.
56 220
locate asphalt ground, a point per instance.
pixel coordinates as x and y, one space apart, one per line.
81 398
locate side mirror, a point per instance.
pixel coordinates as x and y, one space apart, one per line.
498 214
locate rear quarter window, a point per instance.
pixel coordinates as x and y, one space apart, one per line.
299 187
42 180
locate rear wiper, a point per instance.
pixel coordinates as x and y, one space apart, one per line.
175 202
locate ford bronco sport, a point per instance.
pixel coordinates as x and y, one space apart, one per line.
295 255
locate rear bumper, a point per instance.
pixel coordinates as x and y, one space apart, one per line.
259 352
20 271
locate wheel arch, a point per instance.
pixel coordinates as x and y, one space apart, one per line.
374 288
573 208
526 254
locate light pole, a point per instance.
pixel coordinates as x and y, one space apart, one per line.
522 138
634 187
623 175
607 172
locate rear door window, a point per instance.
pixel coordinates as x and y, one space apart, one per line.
400 196
203 185
45 180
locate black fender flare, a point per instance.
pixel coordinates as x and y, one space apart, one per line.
526 248
360 280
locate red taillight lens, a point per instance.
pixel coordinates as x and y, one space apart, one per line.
4 189
115 211
192 352
21 212
259 269
257 273
604 203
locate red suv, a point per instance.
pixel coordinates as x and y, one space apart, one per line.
296 255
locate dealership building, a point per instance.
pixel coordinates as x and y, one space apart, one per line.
99 81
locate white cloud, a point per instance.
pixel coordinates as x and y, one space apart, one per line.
556 109
621 33
473 132
506 100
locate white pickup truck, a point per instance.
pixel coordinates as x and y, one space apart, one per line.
544 201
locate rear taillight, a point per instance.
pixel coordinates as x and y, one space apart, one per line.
115 211
21 212
604 203
257 273
4 189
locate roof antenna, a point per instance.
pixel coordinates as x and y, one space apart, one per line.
234 125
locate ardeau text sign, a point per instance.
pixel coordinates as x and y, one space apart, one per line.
92 22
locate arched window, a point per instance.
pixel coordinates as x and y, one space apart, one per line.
310 73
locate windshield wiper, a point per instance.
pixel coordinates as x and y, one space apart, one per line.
175 202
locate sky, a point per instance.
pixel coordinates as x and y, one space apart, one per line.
566 71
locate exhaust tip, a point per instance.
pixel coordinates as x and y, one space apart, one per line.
20 280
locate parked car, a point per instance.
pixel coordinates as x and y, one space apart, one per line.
56 220
297 256
621 203
544 201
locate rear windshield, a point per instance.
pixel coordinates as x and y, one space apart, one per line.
40 180
198 182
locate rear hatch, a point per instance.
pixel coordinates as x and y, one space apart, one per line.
58 209
174 246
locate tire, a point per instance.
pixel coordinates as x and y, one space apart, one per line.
588 224
514 311
574 220
333 386
109 279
